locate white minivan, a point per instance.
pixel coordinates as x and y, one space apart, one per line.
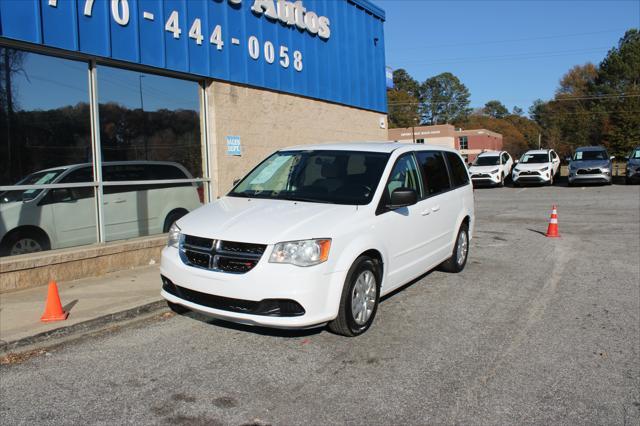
33 220
317 234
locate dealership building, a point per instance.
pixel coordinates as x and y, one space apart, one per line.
118 116
470 143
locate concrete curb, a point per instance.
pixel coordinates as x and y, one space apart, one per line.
52 337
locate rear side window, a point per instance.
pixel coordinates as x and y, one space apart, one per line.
435 177
458 170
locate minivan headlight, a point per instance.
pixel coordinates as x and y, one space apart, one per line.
301 253
174 236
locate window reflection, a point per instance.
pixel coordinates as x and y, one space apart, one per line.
149 130
44 139
149 117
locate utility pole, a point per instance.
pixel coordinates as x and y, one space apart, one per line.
539 139
413 129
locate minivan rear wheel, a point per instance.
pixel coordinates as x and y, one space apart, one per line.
359 300
458 259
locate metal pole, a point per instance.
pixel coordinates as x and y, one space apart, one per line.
539 140
413 133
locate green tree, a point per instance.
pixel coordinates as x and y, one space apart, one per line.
403 82
403 109
517 111
495 109
402 100
443 99
618 85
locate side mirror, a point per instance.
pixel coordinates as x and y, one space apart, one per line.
613 157
567 159
62 195
403 197
516 162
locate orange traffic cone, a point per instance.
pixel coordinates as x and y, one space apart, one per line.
552 230
53 310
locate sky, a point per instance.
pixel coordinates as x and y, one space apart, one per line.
510 50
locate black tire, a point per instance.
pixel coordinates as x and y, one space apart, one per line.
178 309
345 323
515 183
13 238
171 218
452 264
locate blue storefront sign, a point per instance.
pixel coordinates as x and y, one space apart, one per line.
233 146
325 49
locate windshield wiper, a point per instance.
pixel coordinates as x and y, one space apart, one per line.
306 199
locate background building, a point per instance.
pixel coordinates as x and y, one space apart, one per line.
159 94
470 143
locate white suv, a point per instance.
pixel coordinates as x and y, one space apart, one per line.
316 234
537 166
491 168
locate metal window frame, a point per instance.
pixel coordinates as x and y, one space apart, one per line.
96 147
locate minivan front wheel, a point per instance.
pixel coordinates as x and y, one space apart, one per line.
458 259
360 298
23 242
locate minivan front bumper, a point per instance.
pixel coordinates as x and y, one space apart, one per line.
271 295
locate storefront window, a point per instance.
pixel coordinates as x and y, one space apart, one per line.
45 139
149 131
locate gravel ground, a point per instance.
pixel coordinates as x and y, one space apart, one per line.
535 330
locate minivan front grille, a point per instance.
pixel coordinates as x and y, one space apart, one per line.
217 255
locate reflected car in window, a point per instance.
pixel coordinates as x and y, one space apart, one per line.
317 234
33 220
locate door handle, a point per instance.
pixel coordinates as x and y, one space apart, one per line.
426 212
119 201
435 208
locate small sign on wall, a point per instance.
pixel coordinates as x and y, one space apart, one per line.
233 146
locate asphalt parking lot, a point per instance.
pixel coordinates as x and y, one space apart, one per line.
535 330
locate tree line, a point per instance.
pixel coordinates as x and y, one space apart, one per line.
593 105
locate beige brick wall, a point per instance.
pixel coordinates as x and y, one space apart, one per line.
267 121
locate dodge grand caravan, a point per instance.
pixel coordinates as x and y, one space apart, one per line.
317 234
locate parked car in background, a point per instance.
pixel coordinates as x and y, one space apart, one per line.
632 172
590 164
33 220
537 166
317 234
491 168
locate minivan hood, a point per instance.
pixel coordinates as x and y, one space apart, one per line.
590 164
264 221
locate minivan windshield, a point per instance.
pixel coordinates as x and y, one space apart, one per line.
38 178
590 155
319 176
487 160
534 158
